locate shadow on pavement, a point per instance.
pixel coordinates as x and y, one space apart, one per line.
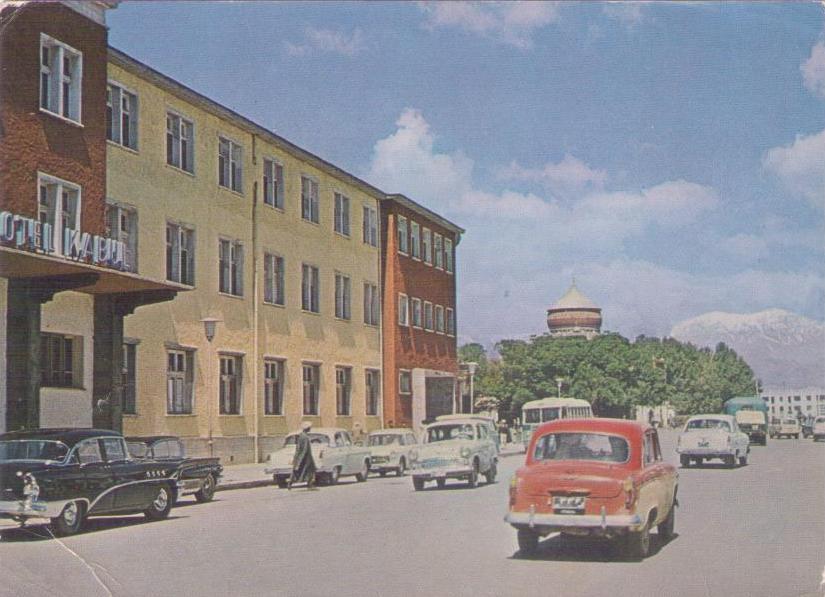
43 533
586 549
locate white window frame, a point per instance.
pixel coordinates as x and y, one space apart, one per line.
449 255
343 296
313 384
54 373
182 132
404 374
232 171
372 313
341 214
429 318
61 187
427 246
185 376
403 310
370 226
234 267
179 231
115 213
274 386
273 192
274 279
343 390
416 320
310 288
415 240
438 251
115 90
403 236
372 383
57 78
450 321
311 199
224 401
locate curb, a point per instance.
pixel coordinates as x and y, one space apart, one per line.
244 484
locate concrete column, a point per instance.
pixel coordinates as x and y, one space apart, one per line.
107 388
23 356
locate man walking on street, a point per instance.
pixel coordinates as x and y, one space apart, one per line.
303 464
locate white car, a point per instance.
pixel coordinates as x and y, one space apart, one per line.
333 450
457 447
706 437
819 428
788 427
391 450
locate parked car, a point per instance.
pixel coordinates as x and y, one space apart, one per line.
788 427
63 476
390 450
334 452
706 437
819 428
456 447
594 477
194 476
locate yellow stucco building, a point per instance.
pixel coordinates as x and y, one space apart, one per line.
278 245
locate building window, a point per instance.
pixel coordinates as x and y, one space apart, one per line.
121 116
273 184
273 279
403 236
62 361
179 377
415 240
231 378
59 207
427 245
448 255
404 382
428 315
438 251
450 321
416 312
312 377
273 387
127 378
230 267
121 225
310 289
370 226
371 302
343 391
309 199
439 319
179 142
372 382
403 310
180 254
343 297
61 78
230 165
341 214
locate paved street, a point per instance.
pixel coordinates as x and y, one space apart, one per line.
757 530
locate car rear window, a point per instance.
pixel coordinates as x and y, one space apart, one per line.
708 424
582 446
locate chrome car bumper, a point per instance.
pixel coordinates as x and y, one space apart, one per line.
21 509
552 522
445 472
707 452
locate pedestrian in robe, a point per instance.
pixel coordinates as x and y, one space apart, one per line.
303 464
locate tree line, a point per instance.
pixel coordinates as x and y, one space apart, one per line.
612 373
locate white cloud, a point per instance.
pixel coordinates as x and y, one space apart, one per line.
628 13
801 166
326 41
813 70
561 178
513 23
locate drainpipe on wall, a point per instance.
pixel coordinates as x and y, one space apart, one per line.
255 369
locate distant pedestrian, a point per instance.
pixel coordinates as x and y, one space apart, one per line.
303 464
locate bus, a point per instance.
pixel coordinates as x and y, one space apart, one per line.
751 414
536 412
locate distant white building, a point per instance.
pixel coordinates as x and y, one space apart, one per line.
792 401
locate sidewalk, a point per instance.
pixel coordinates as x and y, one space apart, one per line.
245 476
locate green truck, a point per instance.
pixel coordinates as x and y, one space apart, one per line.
751 415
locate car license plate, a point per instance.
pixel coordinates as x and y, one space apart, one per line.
568 504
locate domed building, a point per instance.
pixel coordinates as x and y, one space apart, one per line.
574 315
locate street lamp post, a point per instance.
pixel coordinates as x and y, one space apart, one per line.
210 325
471 368
559 382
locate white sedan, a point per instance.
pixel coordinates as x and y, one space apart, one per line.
391 450
334 453
819 428
706 437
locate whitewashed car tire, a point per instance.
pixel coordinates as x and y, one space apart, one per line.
161 505
362 476
402 468
69 521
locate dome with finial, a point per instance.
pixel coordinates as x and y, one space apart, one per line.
574 315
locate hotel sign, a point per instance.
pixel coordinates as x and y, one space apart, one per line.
32 235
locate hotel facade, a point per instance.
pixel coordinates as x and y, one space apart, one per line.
248 275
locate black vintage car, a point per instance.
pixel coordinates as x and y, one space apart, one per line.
194 476
62 476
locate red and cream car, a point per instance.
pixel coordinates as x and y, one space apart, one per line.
600 477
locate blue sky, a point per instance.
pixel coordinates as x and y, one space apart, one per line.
670 156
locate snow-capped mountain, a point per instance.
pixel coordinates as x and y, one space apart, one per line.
783 348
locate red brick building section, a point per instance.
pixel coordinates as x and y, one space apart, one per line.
33 140
425 357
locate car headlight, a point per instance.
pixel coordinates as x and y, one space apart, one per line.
465 452
30 487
